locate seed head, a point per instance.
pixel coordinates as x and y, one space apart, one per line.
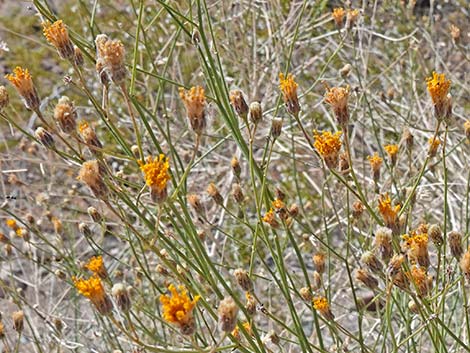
44 137
78 57
112 53
239 103
18 321
367 279
121 295
90 138
276 127
66 115
236 169
435 234
243 280
455 243
465 264
4 98
337 98
319 262
90 174
371 261
215 194
228 311
256 112
194 101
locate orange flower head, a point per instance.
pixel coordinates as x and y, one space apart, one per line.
289 93
56 33
194 101
156 173
270 218
178 308
328 146
434 144
338 98
23 82
11 223
338 16
321 305
96 265
93 289
388 212
392 151
375 164
438 88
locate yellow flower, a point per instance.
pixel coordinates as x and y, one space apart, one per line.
96 265
178 308
289 93
338 98
278 204
195 102
438 88
269 218
157 175
57 34
328 146
351 17
11 223
338 15
23 82
93 289
375 164
321 305
392 151
417 247
389 213
236 332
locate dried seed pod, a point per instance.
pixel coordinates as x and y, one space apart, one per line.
238 103
276 127
66 115
306 294
236 169
237 193
256 112
18 321
228 311
371 261
435 234
121 294
367 279
455 243
44 137
215 194
243 280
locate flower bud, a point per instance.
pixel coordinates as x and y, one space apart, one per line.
243 280
44 137
256 112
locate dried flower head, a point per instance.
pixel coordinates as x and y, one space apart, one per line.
243 280
178 309
383 243
276 127
96 265
420 279
56 34
121 294
417 247
371 261
438 87
455 243
435 234
337 98
78 57
289 93
66 115
465 264
466 128
93 289
389 213
357 209
375 164
455 33
228 311
239 105
23 82
306 294
4 98
18 320
392 151
394 266
195 202
156 173
434 144
255 112
213 192
194 101
236 169
90 174
328 146
102 74
321 305
319 262
112 53
44 137
89 136
367 279
351 17
237 193
338 15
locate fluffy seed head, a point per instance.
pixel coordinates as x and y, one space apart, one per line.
66 115
228 311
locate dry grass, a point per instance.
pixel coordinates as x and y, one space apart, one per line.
384 57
